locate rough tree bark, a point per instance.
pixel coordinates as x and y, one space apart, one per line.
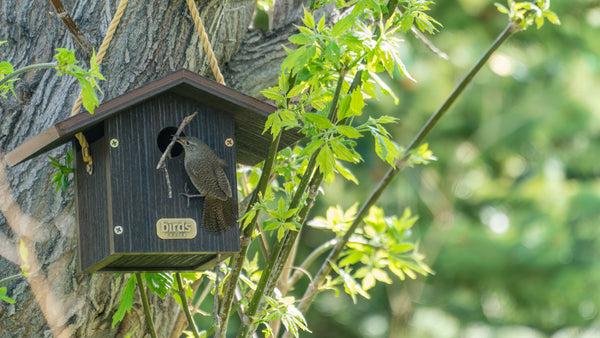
154 38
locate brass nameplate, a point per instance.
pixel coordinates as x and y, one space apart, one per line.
176 228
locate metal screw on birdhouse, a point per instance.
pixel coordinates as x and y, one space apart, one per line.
114 143
118 230
229 142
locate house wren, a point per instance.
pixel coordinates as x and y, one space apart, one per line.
205 170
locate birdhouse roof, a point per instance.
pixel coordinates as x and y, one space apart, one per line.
248 113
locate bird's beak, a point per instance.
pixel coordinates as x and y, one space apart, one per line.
177 139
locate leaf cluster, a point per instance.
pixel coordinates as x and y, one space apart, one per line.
6 69
24 267
60 177
67 64
382 243
525 14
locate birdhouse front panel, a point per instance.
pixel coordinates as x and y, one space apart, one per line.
148 229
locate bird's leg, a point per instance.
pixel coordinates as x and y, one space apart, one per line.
187 195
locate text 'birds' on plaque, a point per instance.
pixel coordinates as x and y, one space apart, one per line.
129 218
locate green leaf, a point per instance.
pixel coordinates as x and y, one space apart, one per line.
501 8
357 102
552 17
349 131
368 282
126 301
312 147
273 124
354 257
381 276
309 20
6 68
272 94
350 285
4 297
90 99
346 173
297 89
319 121
340 151
326 163
301 39
159 283
343 25
321 24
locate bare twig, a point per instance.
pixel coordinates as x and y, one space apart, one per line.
161 162
168 182
428 43
79 37
188 119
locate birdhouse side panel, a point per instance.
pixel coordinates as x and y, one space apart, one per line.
140 195
92 206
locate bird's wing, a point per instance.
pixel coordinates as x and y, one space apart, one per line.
222 181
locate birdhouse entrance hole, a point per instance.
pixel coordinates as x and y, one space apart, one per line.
164 138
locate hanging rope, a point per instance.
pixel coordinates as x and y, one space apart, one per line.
85 148
214 65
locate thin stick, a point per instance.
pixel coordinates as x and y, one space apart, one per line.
428 43
79 37
161 162
168 182
188 119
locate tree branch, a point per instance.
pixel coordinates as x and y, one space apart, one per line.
26 69
149 323
237 261
325 269
79 37
184 305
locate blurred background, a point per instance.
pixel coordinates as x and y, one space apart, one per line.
509 215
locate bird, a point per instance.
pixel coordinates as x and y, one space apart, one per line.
205 170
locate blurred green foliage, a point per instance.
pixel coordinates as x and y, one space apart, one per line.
509 214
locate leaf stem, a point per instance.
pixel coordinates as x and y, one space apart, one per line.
27 69
9 278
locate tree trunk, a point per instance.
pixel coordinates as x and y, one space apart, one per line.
153 38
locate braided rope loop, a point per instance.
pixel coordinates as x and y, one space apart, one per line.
214 65
85 148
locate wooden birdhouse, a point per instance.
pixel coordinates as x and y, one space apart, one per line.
126 220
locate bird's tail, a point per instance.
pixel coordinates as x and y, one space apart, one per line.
219 215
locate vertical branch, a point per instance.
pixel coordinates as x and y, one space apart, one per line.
149 323
237 261
184 305
272 270
282 250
